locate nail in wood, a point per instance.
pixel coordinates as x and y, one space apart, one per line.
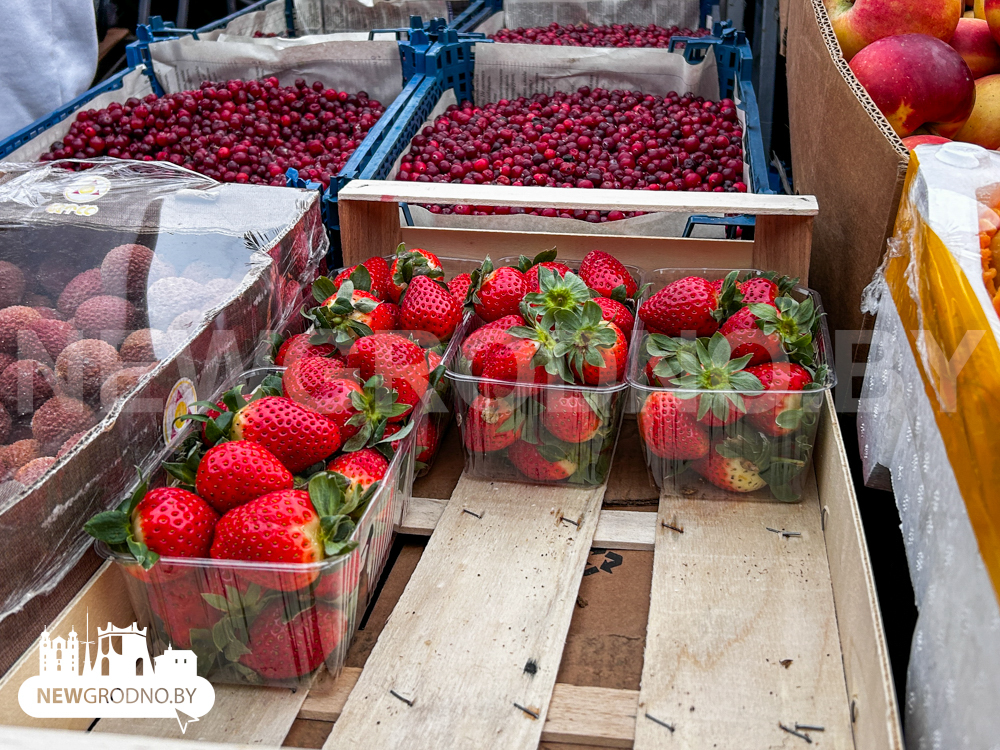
678 529
653 719
569 520
528 711
791 533
797 734
477 515
809 727
407 701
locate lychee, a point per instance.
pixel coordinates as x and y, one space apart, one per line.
81 287
37 300
169 297
124 271
12 320
84 365
49 313
119 383
32 471
58 418
45 339
5 423
11 284
16 455
26 385
52 278
105 317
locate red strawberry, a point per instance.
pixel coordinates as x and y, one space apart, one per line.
531 275
338 579
589 338
374 278
459 287
778 414
503 324
399 361
529 460
362 468
668 430
682 307
298 436
298 346
605 273
408 264
429 307
234 473
426 440
759 289
174 523
615 312
181 608
350 314
511 362
497 292
745 337
569 417
322 386
287 645
730 474
491 425
489 334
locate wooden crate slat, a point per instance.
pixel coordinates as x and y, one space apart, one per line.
604 717
616 529
241 714
480 626
47 739
730 603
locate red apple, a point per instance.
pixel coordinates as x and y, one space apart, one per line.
974 42
917 80
983 125
858 23
912 141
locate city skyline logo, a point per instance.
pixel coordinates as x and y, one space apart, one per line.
121 681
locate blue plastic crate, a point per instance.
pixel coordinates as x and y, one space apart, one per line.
479 10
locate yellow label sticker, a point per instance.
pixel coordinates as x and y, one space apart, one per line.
87 189
182 395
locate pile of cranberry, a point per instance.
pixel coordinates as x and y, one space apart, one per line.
233 131
587 35
592 138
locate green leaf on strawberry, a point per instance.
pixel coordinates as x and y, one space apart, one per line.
114 528
795 323
557 299
710 369
730 298
323 289
545 256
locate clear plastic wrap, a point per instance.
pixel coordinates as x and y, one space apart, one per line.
930 396
128 288
329 16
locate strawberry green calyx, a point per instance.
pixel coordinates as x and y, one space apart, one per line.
409 264
476 281
667 348
581 336
546 256
546 355
185 471
220 649
114 528
557 297
710 369
779 463
334 506
795 323
730 298
334 319
376 405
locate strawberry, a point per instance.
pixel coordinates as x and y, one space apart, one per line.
496 292
410 263
234 473
606 275
682 307
531 275
297 436
556 296
362 468
663 350
759 289
181 607
399 361
668 430
730 474
595 349
569 417
429 308
491 425
299 346
289 526
337 580
426 440
779 415
459 287
287 645
615 312
715 382
348 313
167 521
540 464
794 323
511 361
489 334
370 276
747 339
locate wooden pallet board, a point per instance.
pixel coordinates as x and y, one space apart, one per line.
742 634
481 625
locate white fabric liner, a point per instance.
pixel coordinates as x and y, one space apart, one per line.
533 13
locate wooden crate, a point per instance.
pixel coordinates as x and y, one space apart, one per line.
749 629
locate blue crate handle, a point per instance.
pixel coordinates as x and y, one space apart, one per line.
731 223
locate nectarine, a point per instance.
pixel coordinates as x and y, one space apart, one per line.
974 42
858 23
983 125
912 141
916 80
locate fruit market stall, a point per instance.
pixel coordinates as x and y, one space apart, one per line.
926 403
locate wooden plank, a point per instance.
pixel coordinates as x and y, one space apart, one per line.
368 229
645 252
742 630
47 739
392 191
783 244
241 714
105 600
577 715
481 625
616 529
866 659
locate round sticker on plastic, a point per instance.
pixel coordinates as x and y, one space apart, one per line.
181 396
87 189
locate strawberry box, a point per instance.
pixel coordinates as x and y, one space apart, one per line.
735 410
528 427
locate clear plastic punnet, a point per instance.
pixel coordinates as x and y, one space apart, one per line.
127 289
758 446
264 623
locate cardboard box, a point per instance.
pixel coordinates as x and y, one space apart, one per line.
845 153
